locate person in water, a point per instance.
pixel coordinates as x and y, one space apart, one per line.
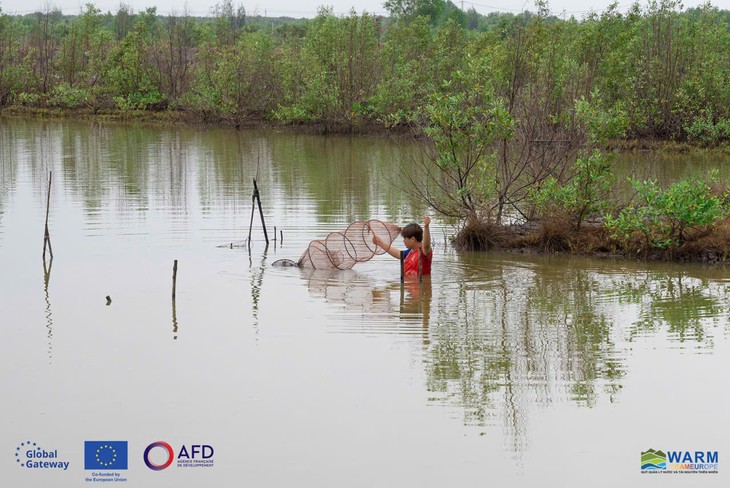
417 240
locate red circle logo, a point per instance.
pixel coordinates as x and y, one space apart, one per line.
167 463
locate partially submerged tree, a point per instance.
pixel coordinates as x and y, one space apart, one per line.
463 121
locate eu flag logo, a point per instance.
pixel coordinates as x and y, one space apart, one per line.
109 455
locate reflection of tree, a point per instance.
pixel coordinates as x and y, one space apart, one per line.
666 167
344 176
34 145
679 303
519 335
99 162
511 335
466 370
134 166
8 163
568 299
139 168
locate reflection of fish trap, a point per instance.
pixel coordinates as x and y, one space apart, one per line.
348 289
342 250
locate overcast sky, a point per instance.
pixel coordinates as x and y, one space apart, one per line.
308 8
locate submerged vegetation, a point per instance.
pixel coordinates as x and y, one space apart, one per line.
515 111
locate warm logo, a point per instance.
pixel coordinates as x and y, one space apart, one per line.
653 460
105 455
670 462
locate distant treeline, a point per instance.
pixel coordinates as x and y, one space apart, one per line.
665 68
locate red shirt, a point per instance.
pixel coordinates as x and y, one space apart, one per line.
410 263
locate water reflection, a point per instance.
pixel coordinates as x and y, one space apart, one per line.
349 290
509 335
668 167
686 307
415 302
257 281
520 334
179 169
8 174
372 308
47 312
504 335
174 320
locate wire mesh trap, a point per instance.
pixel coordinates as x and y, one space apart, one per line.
344 249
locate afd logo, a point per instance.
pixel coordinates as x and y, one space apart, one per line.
160 455
105 455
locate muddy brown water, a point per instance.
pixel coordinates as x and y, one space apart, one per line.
500 368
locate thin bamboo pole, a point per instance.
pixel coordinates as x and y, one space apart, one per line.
261 212
47 234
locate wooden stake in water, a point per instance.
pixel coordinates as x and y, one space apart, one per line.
256 199
47 235
174 279
261 212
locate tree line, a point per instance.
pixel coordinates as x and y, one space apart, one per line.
665 68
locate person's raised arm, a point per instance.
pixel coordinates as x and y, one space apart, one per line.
388 247
426 242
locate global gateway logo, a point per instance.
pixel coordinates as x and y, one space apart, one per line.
160 455
30 455
679 461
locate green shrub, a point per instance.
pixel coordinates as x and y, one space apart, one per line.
705 130
28 99
585 194
662 218
139 100
67 96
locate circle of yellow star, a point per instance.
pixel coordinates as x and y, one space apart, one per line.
113 452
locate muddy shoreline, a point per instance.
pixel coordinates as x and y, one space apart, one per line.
708 246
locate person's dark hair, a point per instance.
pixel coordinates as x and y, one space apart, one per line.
412 230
